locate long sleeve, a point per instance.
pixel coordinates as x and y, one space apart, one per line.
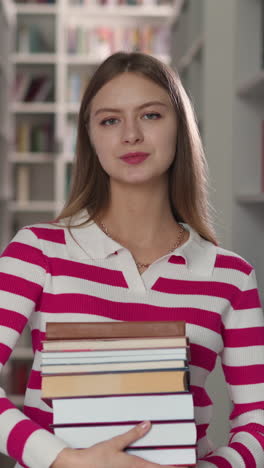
22 276
243 366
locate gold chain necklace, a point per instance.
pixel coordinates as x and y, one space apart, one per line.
141 266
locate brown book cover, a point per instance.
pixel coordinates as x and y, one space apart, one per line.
124 383
98 330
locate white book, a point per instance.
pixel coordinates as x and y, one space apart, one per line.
23 183
114 355
169 456
111 367
156 407
160 434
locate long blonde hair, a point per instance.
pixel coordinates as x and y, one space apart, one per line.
188 173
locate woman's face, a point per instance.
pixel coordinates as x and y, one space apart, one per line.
133 128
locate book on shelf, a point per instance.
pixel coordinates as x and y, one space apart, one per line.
34 137
23 183
28 88
75 86
101 41
40 89
30 39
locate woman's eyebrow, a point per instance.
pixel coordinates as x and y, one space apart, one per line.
146 104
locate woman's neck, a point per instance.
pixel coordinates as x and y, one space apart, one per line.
140 216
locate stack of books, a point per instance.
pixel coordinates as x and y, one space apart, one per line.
104 378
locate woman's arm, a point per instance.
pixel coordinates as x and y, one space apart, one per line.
243 366
22 275
108 454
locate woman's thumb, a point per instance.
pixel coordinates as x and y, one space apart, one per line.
124 440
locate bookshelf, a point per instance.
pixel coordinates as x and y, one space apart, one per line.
187 55
226 54
7 25
50 43
249 135
63 41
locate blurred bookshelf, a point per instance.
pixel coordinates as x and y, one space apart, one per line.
7 31
59 44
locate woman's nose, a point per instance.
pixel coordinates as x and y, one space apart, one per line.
132 133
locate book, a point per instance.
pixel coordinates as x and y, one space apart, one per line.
110 367
156 407
114 344
115 355
39 89
105 380
21 85
119 383
86 330
162 433
22 183
166 456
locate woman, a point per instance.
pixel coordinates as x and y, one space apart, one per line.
135 242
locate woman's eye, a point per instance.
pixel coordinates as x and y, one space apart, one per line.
152 115
108 122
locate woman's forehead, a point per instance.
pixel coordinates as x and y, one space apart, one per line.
129 90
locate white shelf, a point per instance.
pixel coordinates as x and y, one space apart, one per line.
34 58
33 108
22 353
190 55
32 158
160 12
73 108
253 87
36 9
250 198
33 206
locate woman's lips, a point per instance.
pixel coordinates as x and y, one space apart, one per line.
134 158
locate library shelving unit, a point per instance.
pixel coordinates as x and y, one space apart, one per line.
230 108
7 29
218 50
188 43
248 227
72 38
35 110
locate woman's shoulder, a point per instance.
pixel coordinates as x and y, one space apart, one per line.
232 260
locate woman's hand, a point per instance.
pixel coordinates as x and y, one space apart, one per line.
107 454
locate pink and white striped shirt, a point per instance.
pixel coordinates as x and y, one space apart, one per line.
47 274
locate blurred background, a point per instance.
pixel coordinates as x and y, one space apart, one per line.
48 51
